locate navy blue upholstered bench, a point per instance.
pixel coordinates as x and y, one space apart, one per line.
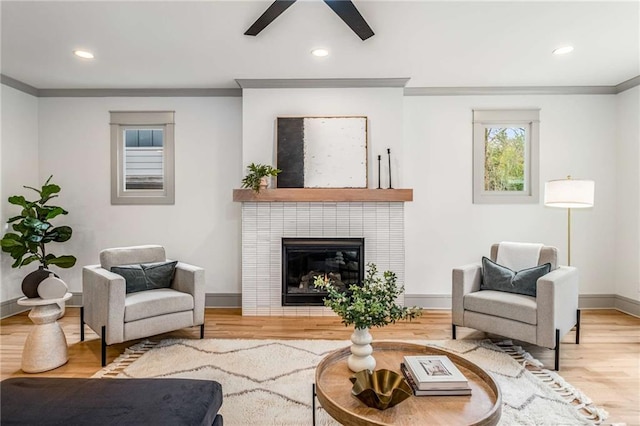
58 401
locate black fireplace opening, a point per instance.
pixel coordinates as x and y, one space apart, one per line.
341 259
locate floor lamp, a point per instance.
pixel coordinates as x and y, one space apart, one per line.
570 194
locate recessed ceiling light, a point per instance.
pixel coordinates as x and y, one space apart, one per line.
563 50
320 52
83 54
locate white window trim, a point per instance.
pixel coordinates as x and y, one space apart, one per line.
530 120
121 120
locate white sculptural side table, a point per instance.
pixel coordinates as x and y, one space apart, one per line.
46 345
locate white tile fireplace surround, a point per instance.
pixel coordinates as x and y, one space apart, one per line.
264 224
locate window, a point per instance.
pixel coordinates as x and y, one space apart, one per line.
505 156
142 157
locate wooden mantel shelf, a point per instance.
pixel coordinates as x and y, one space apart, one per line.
322 194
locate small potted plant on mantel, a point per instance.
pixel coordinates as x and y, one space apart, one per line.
256 179
372 304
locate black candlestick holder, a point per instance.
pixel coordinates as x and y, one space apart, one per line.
389 155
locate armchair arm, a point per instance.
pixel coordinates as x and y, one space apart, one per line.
103 296
190 279
464 279
557 304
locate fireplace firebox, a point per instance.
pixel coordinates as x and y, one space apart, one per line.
341 259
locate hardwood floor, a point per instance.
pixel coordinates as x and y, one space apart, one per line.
605 365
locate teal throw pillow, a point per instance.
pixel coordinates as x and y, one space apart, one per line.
146 276
500 278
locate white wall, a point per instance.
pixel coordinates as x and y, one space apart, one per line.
444 227
383 107
627 258
430 139
431 144
202 228
19 166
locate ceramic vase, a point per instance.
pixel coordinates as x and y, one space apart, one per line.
361 350
52 288
31 282
264 183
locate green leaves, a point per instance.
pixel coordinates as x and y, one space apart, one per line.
48 191
60 261
256 173
59 234
51 212
18 200
372 304
33 230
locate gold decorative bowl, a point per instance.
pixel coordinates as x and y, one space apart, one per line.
380 389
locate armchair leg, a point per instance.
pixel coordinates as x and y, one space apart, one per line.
453 331
104 345
202 331
82 323
557 358
578 327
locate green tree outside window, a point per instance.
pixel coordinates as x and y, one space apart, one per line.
504 159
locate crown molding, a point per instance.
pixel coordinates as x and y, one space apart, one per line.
325 84
103 93
320 83
629 84
139 93
18 85
510 90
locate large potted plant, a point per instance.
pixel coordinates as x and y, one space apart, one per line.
372 304
32 232
256 179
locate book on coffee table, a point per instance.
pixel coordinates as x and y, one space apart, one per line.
431 392
435 372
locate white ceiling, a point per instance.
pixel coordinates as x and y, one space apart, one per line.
180 44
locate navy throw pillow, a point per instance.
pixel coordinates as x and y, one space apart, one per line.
146 276
500 278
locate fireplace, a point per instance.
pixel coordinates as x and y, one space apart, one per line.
341 259
265 223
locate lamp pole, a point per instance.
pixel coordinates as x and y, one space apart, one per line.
568 236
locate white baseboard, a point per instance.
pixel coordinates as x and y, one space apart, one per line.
427 301
585 301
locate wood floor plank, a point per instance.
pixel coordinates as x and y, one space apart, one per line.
605 365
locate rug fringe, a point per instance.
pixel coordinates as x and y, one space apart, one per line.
581 402
130 355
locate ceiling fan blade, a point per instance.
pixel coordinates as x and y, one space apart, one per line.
272 12
350 15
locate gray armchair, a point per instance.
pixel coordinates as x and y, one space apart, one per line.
541 320
118 316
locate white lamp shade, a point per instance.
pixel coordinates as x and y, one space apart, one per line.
569 193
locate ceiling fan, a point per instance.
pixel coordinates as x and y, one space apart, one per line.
345 9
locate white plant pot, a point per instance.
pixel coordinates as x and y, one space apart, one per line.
264 182
361 350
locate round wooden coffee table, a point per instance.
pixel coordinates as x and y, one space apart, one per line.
333 389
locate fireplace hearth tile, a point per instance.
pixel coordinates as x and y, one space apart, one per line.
261 251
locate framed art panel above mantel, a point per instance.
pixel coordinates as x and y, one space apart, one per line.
322 152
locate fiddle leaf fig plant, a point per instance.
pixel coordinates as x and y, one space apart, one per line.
255 175
33 230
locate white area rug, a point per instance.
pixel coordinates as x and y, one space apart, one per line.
269 382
